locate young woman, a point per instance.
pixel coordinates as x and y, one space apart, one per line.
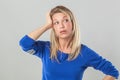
64 57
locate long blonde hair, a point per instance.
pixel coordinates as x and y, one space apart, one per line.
75 42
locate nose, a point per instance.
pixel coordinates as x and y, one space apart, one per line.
62 25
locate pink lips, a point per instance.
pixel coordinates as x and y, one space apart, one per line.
63 31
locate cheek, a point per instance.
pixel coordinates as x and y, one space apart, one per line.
69 26
56 30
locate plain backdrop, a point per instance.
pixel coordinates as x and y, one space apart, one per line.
99 22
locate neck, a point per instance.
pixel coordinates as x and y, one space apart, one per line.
64 44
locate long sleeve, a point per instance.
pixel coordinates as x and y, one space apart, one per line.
31 46
98 62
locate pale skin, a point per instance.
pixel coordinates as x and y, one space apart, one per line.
62 25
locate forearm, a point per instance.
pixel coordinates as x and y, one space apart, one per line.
108 78
38 32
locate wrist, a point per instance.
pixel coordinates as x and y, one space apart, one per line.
48 26
107 77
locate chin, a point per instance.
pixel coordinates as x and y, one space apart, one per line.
64 37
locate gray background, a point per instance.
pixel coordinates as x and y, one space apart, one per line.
99 22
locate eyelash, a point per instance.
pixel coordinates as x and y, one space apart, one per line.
55 23
65 20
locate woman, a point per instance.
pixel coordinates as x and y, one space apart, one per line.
64 57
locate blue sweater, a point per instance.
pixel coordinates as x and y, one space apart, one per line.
66 70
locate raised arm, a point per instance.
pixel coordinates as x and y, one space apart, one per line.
29 42
38 32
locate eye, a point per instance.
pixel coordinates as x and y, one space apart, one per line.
55 23
66 20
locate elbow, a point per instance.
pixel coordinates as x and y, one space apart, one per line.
26 43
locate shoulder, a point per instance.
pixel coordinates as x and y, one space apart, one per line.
45 44
87 51
84 47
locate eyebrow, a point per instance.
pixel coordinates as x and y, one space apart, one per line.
63 17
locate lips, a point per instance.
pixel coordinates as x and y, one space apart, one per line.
63 31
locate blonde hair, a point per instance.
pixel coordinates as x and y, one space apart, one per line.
75 42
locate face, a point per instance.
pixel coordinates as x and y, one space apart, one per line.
62 25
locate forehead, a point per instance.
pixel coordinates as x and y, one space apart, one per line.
60 16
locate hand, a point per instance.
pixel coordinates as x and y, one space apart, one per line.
108 78
49 21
